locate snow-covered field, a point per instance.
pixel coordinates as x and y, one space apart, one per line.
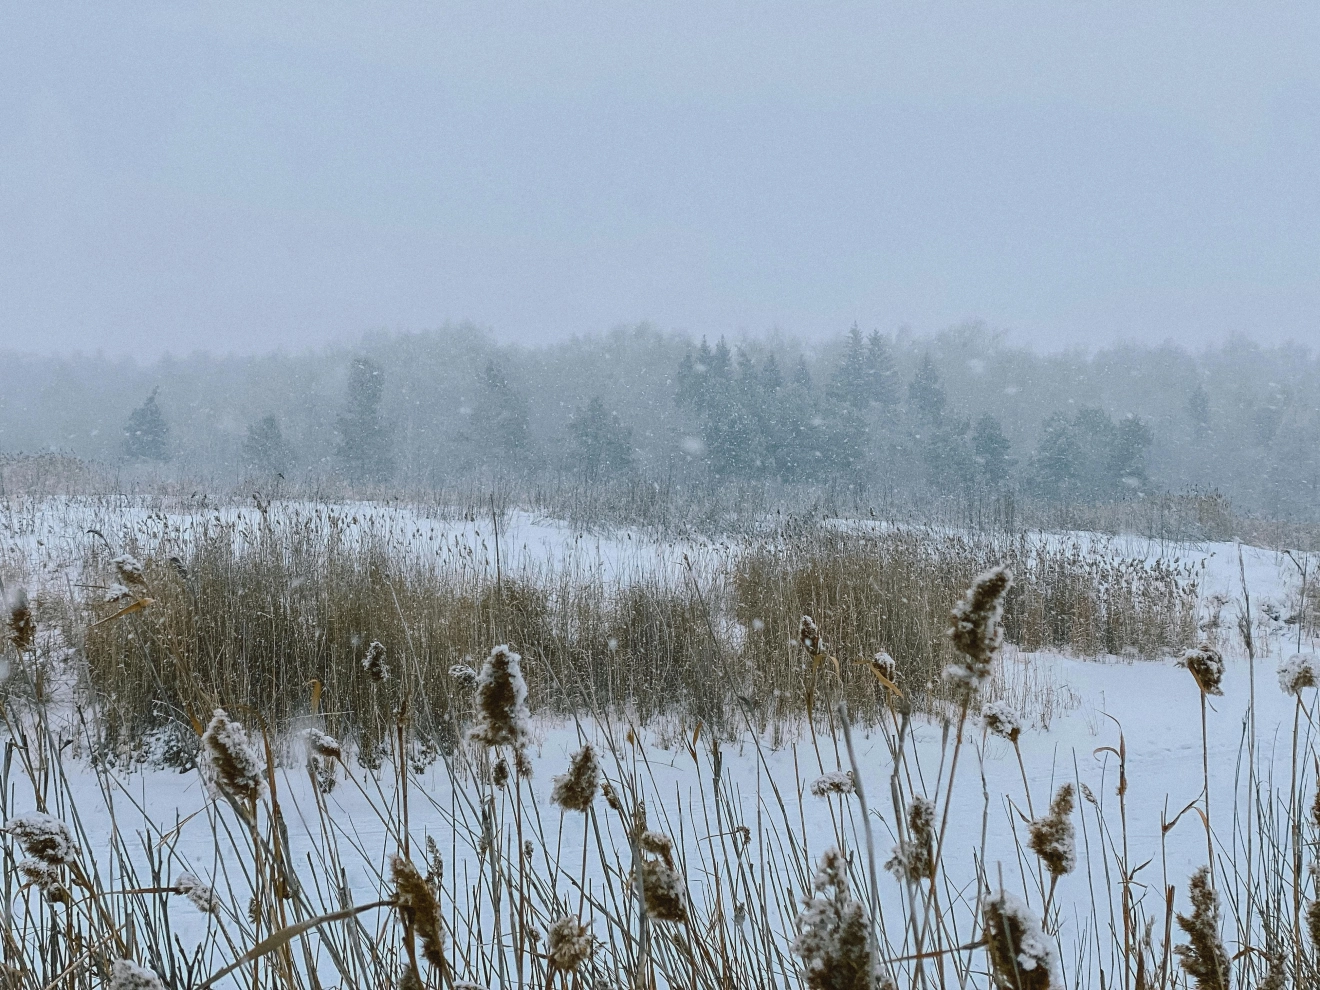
1150 712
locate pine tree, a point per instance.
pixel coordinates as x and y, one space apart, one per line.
852 383
146 434
264 449
503 424
926 393
990 450
882 376
364 436
601 444
1198 410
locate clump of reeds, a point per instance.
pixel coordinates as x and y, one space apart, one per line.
833 932
1022 957
1203 957
576 789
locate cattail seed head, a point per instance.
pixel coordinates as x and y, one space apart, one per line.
502 714
977 632
128 570
569 944
500 773
1000 720
418 908
833 934
463 674
374 662
22 626
128 975
884 665
230 763
916 860
809 635
1021 955
200 894
834 782
1203 958
1299 672
46 877
323 745
662 887
1207 666
44 838
576 789
1052 837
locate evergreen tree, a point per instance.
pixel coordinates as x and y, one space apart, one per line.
802 374
1127 459
1198 411
926 393
1057 463
882 376
364 437
146 434
264 449
601 444
502 418
852 382
990 450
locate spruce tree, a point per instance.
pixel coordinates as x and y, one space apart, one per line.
990 450
146 434
264 449
364 436
926 393
601 444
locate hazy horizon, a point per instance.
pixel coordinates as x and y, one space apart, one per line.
215 177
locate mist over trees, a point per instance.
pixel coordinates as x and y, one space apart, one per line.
954 415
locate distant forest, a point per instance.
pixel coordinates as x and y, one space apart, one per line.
899 415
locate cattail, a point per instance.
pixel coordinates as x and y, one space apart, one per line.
977 632
569 944
1203 958
44 838
117 593
576 789
833 935
323 745
1000 720
809 635
834 782
128 569
374 662
1021 955
463 675
435 867
1313 915
502 715
418 908
1298 673
611 796
128 975
1052 837
663 888
200 894
1207 666
884 665
22 627
916 860
499 774
46 877
522 762
229 762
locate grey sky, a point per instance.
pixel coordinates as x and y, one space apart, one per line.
222 176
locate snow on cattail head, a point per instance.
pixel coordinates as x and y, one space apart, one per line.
834 782
833 935
128 569
44 838
569 944
502 715
323 744
1001 720
128 975
22 627
1207 666
374 662
884 665
663 891
463 675
916 860
418 908
46 877
576 789
976 631
809 635
200 894
1021 955
1203 958
1052 837
229 762
1299 672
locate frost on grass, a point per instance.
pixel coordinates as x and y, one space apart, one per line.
128 975
44 838
200 894
569 944
1022 957
1299 672
230 764
915 859
1052 837
834 782
977 632
1207 666
576 789
833 936
1000 720
1203 958
502 714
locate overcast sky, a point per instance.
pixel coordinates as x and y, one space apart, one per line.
181 176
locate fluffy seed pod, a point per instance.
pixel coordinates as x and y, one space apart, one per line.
502 715
128 570
569 944
576 789
464 676
46 877
44 838
662 887
418 908
1052 837
1203 958
22 627
833 937
374 662
200 894
834 782
1000 720
976 631
809 635
1021 955
915 861
1298 673
323 745
1207 666
499 774
229 761
128 975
